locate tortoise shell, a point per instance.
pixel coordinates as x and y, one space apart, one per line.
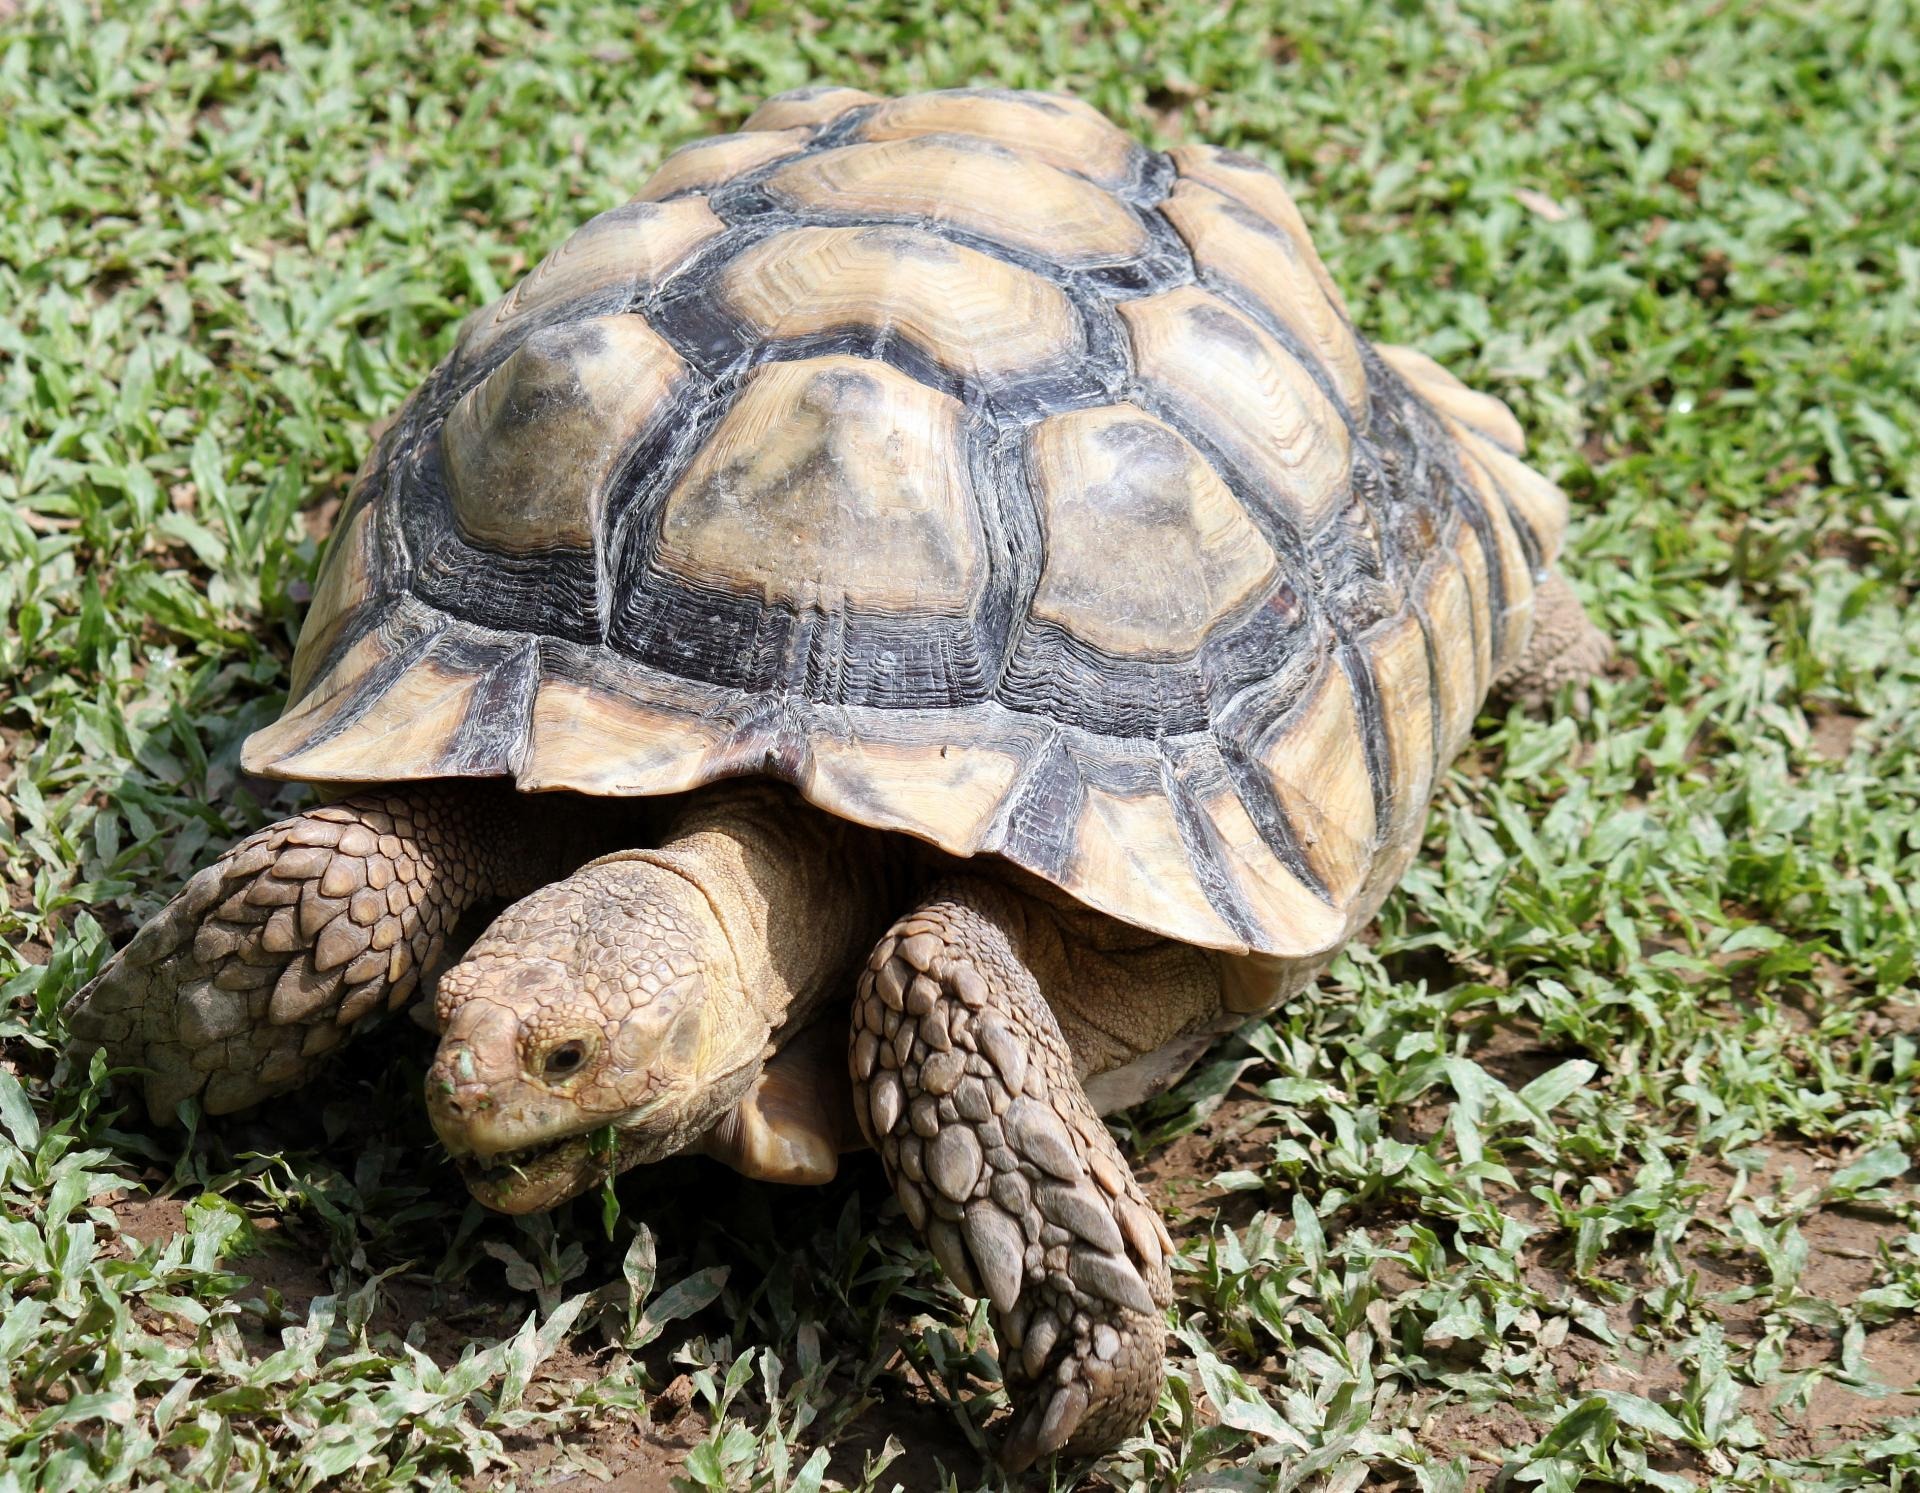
977 471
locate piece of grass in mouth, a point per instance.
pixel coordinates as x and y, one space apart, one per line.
602 1145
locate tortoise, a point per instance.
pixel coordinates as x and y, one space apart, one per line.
935 614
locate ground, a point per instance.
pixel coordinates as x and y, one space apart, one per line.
1593 1167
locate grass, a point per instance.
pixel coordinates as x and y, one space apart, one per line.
1593 1170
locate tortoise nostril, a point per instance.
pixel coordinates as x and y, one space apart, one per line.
565 1059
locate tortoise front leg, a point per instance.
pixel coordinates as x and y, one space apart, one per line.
266 959
968 1089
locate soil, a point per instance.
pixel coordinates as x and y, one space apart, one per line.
1833 736
613 1457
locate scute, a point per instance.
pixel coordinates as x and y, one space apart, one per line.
608 264
1267 890
1536 502
1133 839
531 450
1514 624
1047 127
1403 696
806 106
1264 263
705 164
1251 184
983 475
1315 760
834 483
967 184
1452 398
345 583
1247 396
1113 484
1446 607
979 318
591 739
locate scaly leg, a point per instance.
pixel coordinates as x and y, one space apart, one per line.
266 959
968 1089
1566 648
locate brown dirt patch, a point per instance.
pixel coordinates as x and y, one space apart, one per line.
619 1455
150 1220
1833 736
1179 1176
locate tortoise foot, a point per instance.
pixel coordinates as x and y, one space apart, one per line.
967 1088
1566 648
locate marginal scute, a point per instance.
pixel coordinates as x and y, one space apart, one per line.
705 164
1114 484
405 735
1247 395
1515 622
805 106
1265 264
1471 557
938 790
1128 852
1541 505
1316 761
346 580
586 738
832 483
885 769
1397 653
1489 416
1444 600
979 317
531 449
328 699
1050 127
606 266
1260 188
969 185
1301 923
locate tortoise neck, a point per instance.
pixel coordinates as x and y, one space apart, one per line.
801 895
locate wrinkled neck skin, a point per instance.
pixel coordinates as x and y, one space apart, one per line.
645 991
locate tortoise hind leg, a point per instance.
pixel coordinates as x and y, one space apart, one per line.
967 1087
264 961
797 1119
1566 648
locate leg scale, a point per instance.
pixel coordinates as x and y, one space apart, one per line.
1566 648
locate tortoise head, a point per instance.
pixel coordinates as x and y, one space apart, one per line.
597 1024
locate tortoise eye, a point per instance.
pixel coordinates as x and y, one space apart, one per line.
565 1059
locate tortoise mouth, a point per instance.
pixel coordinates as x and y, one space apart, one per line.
532 1178
545 1173
505 1164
